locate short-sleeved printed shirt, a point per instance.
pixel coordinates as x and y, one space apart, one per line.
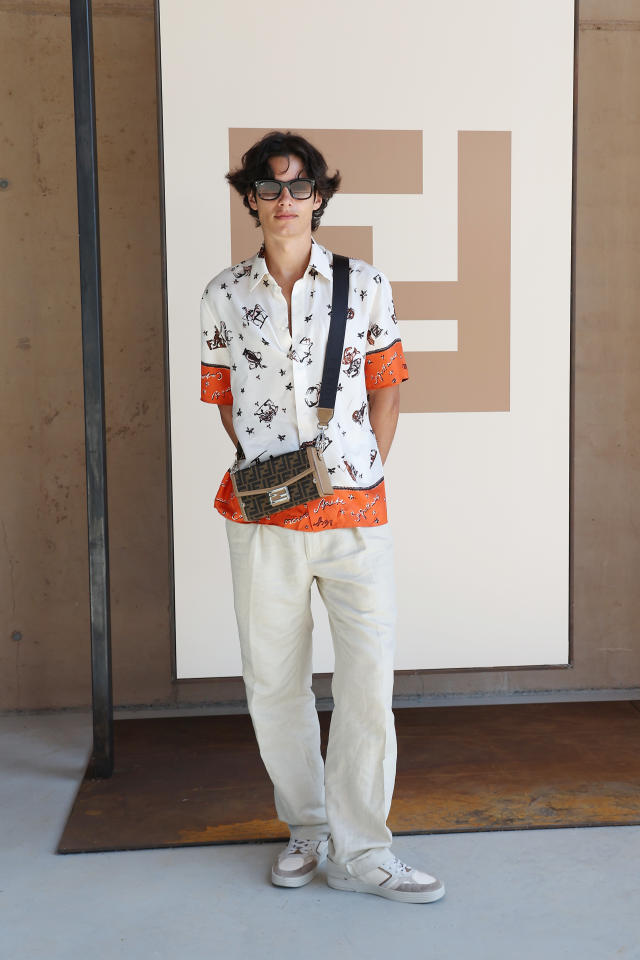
272 378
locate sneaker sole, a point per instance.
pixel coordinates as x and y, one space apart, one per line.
359 886
292 881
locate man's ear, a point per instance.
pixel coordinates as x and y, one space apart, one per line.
318 199
252 200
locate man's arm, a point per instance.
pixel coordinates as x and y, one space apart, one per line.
226 415
384 407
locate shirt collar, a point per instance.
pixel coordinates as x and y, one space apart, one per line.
318 262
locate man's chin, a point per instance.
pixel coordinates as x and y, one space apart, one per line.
288 228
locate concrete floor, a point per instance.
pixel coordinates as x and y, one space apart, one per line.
513 895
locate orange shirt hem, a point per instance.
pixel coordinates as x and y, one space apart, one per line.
342 508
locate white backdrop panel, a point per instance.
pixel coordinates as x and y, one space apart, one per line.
483 574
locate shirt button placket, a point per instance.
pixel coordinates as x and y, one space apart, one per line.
285 340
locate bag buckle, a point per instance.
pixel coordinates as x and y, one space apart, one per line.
279 495
325 414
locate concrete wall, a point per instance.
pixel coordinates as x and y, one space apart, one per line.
44 616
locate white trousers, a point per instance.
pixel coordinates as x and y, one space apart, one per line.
273 568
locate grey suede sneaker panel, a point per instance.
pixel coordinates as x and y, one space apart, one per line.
417 887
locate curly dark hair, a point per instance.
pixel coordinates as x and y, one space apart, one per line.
277 144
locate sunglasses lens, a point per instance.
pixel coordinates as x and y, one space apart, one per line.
268 189
300 189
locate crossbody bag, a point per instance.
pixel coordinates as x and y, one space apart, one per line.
290 479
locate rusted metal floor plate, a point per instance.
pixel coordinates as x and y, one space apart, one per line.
198 780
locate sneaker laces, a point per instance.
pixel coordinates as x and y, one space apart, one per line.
302 845
397 866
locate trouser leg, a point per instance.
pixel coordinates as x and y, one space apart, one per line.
271 586
356 582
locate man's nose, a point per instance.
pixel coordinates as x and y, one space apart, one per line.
282 194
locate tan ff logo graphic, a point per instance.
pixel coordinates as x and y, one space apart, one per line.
475 377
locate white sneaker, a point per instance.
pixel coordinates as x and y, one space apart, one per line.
392 879
298 863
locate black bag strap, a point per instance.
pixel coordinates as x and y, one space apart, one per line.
335 344
335 340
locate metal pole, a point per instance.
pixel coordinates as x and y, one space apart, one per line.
101 764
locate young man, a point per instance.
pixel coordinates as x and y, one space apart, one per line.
265 322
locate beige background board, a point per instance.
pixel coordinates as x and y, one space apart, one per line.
481 519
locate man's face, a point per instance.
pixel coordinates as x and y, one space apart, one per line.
285 217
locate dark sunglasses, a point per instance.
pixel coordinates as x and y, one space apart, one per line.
299 189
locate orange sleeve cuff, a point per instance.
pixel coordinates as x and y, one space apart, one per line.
385 367
215 384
